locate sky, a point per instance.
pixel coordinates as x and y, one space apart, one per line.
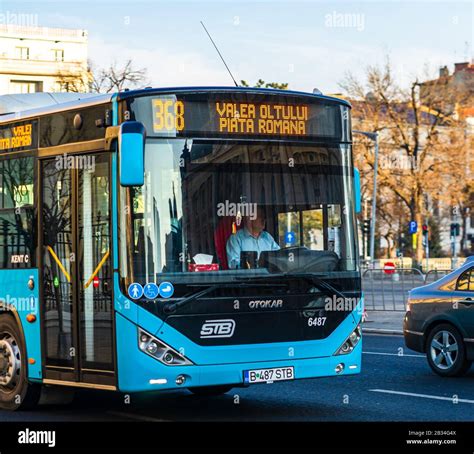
308 44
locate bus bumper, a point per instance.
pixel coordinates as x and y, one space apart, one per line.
303 368
140 372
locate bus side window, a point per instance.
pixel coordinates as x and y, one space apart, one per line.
17 214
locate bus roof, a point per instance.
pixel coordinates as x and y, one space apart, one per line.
18 106
148 91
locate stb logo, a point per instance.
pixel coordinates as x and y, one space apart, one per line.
217 328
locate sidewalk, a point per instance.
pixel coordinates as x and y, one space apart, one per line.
384 322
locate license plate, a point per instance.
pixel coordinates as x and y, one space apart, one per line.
269 375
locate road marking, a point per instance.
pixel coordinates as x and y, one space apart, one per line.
425 396
393 354
124 414
375 332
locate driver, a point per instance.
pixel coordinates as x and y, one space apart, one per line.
252 237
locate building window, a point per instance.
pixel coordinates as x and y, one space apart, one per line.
17 213
58 54
23 53
25 86
66 86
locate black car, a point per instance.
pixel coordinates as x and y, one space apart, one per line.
440 321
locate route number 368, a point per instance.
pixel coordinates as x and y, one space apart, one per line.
168 115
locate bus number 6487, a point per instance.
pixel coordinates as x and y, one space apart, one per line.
316 321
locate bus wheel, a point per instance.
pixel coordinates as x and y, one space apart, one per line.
210 391
15 391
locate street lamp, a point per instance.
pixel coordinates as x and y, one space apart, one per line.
375 138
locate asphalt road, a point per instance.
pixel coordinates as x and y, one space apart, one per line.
390 388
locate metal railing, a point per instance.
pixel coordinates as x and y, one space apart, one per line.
389 292
434 275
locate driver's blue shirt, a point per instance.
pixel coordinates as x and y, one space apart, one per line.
242 241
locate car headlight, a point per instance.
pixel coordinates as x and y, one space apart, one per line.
159 350
350 343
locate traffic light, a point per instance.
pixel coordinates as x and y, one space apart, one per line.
424 230
366 226
455 229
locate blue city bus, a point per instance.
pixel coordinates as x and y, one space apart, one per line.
199 238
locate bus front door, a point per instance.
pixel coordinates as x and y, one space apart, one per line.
76 293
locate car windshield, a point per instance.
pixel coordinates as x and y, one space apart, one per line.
225 211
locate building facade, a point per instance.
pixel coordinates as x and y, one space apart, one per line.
37 59
458 86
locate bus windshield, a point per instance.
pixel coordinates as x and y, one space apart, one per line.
220 211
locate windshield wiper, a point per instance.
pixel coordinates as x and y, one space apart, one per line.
314 279
172 307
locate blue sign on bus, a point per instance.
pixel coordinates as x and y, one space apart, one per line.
166 289
150 290
135 291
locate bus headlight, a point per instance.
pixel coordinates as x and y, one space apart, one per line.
350 343
152 348
160 351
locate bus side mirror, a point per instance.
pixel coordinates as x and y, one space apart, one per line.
357 195
131 147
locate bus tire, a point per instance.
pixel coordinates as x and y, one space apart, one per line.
209 391
16 393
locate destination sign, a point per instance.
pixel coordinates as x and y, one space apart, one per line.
271 117
250 118
18 136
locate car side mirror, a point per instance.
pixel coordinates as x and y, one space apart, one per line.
357 194
131 148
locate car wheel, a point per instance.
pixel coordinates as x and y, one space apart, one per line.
445 351
16 393
210 391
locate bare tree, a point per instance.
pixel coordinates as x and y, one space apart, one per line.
118 78
421 141
261 83
104 80
73 83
